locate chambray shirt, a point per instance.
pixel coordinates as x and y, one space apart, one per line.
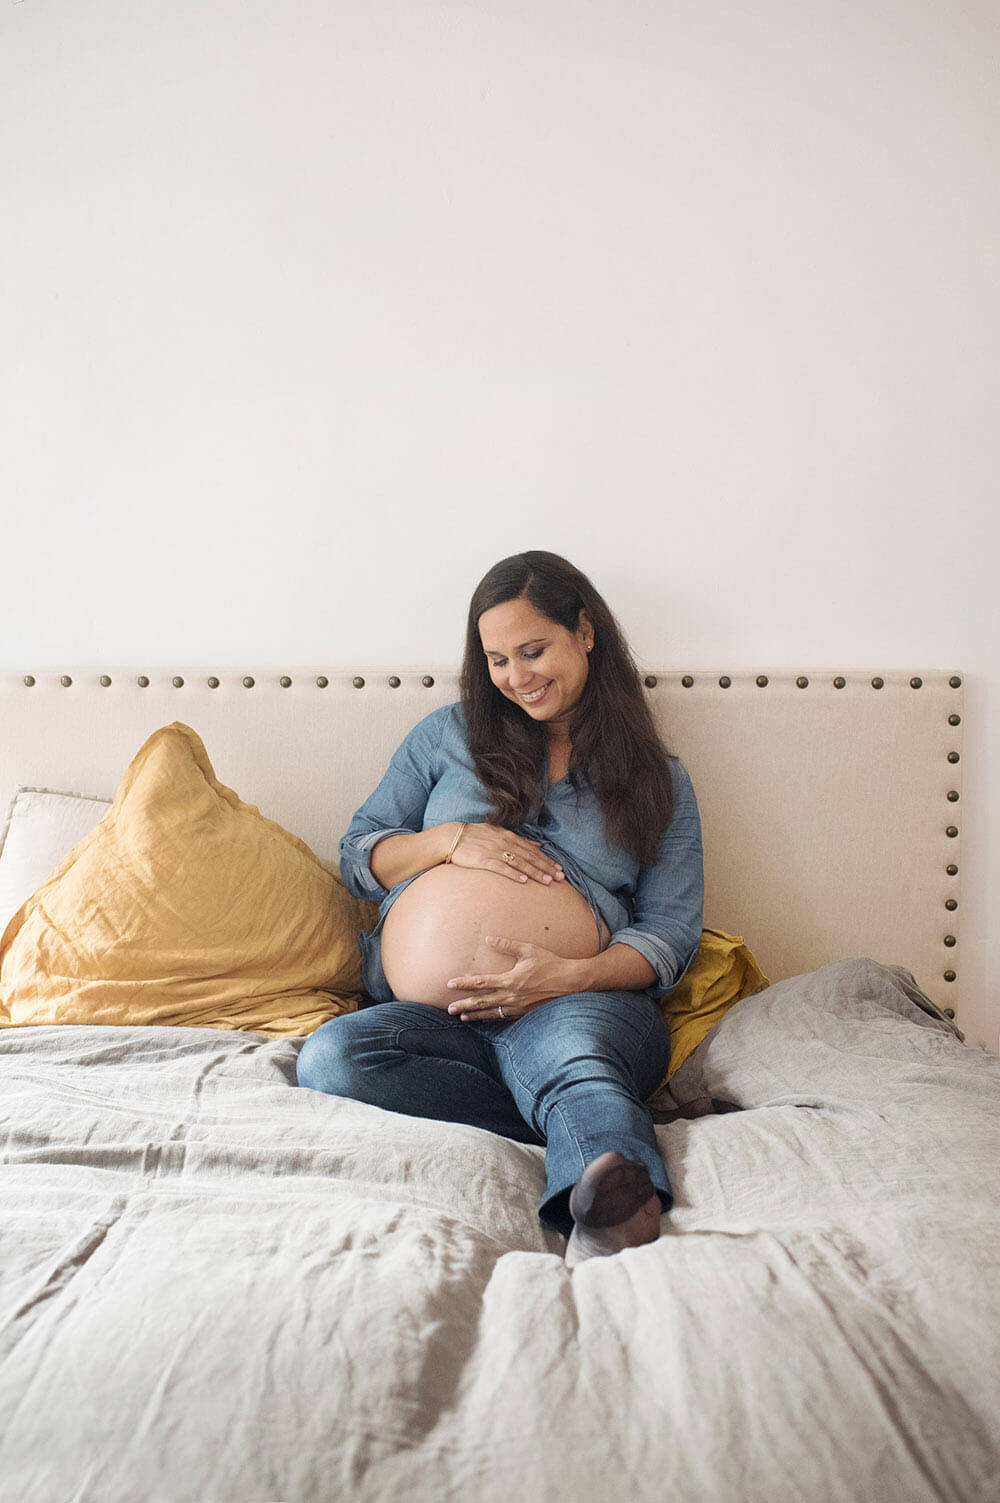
431 779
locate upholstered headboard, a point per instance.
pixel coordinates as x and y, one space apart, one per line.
830 802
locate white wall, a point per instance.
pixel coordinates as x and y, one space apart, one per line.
313 310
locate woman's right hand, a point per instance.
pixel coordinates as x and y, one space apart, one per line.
484 846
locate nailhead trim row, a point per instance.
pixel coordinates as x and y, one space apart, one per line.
394 681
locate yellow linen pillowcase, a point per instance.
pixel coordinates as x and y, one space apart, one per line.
722 972
184 907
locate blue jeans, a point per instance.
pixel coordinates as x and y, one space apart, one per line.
571 1075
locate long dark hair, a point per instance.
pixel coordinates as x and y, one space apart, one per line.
616 745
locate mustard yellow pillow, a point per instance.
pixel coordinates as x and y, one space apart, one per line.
184 907
721 973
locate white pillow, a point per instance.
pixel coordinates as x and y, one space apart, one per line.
41 828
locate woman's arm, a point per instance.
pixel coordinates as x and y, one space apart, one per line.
669 899
619 968
395 810
398 857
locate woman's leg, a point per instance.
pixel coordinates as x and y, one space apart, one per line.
411 1058
579 1068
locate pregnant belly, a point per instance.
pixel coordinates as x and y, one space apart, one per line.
437 928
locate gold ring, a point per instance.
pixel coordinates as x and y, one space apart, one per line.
509 856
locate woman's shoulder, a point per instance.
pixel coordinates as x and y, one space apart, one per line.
453 717
443 726
683 786
440 718
449 718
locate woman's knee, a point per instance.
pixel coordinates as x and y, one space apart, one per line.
594 1036
326 1061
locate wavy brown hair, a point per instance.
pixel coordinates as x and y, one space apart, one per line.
616 745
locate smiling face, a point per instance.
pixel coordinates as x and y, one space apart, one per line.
526 652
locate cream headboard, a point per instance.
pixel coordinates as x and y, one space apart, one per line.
829 802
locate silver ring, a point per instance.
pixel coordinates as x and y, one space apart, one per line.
500 1011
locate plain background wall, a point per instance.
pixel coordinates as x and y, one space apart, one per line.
312 311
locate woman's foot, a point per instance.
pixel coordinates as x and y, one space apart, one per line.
614 1205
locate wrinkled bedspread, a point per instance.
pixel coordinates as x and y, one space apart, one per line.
219 1287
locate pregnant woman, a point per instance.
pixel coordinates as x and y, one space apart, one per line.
536 853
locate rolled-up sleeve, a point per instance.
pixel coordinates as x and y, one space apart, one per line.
670 895
395 808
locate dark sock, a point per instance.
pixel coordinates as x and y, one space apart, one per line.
613 1195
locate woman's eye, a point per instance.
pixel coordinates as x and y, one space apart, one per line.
502 662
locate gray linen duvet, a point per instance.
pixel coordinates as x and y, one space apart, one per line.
217 1285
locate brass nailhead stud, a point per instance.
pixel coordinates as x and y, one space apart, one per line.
955 682
358 683
285 681
839 683
951 904
29 681
950 940
104 680
953 795
949 976
952 869
427 681
394 682
953 757
951 831
878 683
949 1012
142 681
687 680
762 680
248 683
802 682
915 683
65 680
954 720
213 683
322 682
649 681
724 682
178 682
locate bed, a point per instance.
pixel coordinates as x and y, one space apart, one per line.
219 1286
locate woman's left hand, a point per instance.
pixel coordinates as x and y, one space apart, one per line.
538 976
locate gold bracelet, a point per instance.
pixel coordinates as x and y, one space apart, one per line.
461 832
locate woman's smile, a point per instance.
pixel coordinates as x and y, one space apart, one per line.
538 694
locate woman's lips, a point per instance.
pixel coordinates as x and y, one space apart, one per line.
537 698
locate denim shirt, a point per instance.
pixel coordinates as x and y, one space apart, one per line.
431 780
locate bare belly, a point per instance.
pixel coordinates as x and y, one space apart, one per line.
437 928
